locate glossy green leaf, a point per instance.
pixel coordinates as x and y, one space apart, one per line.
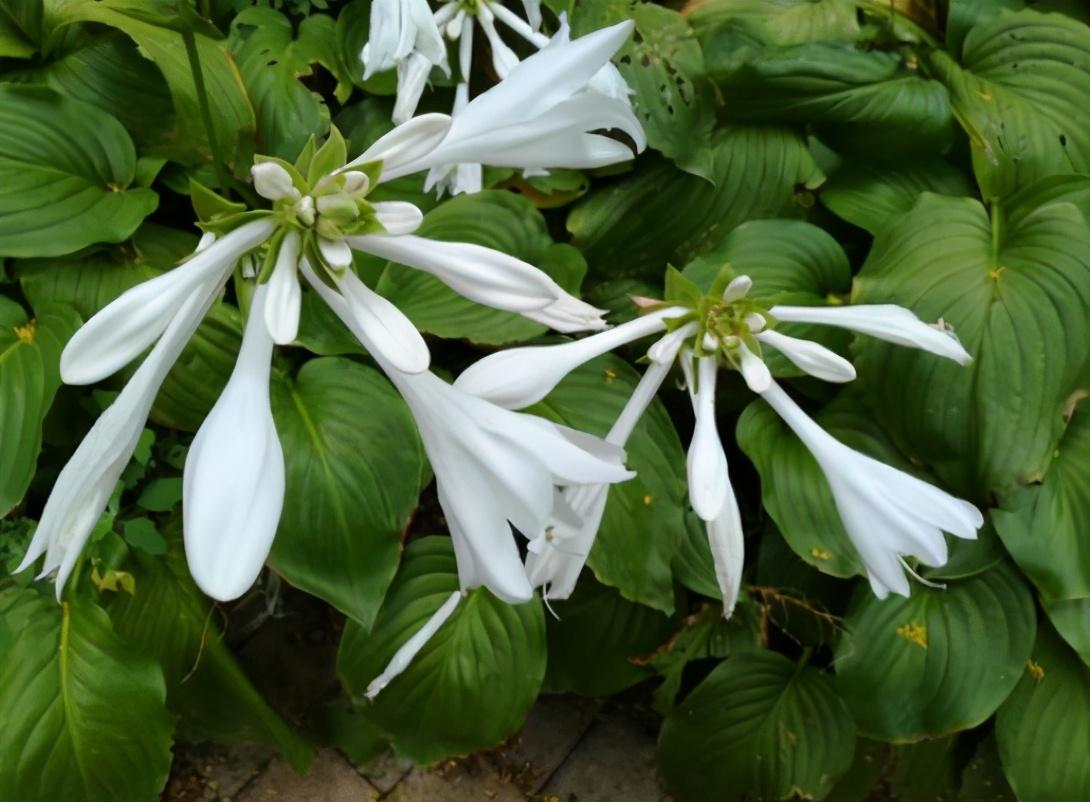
859 102
471 685
1022 93
644 520
84 713
938 662
64 171
1043 526
660 214
355 466
273 59
596 637
781 22
963 15
500 220
1072 620
1043 729
30 352
758 727
170 620
1015 286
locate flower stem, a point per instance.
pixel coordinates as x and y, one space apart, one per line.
206 113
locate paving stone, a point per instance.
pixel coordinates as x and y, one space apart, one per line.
614 761
330 779
470 780
385 771
553 728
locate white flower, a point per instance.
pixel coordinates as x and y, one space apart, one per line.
400 28
493 467
540 115
886 512
233 486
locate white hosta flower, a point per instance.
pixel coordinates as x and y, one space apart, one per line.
400 28
493 468
887 513
539 116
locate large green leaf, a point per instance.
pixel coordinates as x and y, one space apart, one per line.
938 662
231 113
471 685
108 72
84 714
1022 93
272 60
859 102
1015 287
64 171
30 352
1072 620
663 65
660 214
758 727
781 22
644 520
1043 729
1043 526
169 619
500 220
355 466
596 636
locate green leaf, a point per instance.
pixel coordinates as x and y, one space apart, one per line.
1043 526
232 115
500 220
84 713
758 727
916 668
272 60
62 192
664 67
596 636
170 620
781 22
1015 288
471 685
963 15
869 196
1043 729
355 466
141 533
1022 93
644 520
860 102
160 495
661 215
30 353
1072 620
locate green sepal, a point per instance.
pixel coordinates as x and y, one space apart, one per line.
329 157
365 225
210 205
724 277
272 253
373 171
297 179
227 224
306 155
681 291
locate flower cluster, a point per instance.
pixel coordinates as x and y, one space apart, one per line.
408 36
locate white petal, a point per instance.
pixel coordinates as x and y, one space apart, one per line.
665 349
473 271
398 217
412 77
233 484
403 657
405 144
518 377
557 566
815 359
273 182
387 328
84 485
285 295
336 252
737 289
568 314
884 321
638 402
356 183
533 12
706 462
754 370
126 326
609 82
503 57
728 552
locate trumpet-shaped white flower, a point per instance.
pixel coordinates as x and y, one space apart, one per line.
887 513
494 468
233 488
539 116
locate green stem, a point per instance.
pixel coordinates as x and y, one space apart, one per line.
206 113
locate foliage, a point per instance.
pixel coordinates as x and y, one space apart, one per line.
935 155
